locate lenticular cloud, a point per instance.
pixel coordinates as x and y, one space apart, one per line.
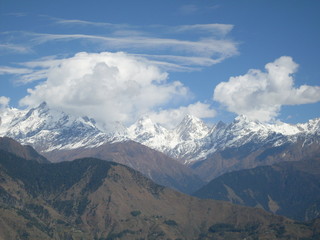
107 86
260 95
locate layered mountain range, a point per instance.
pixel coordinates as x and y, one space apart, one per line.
89 198
209 150
192 140
93 199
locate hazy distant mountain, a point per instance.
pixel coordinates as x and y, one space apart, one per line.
291 189
94 199
26 152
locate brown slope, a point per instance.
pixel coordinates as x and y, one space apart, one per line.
291 189
26 152
234 159
103 200
153 164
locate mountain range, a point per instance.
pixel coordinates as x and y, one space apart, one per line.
94 199
111 190
209 151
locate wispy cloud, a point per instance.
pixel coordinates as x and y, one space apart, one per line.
63 21
13 70
24 75
181 62
14 48
206 46
171 48
211 28
190 46
214 28
202 52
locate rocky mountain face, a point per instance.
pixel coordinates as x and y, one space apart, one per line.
290 189
95 199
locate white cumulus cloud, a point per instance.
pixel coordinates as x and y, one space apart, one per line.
106 86
260 95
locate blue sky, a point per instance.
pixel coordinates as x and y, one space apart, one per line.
212 59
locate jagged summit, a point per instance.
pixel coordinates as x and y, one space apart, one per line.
312 126
242 118
48 129
43 105
192 128
165 140
145 125
147 132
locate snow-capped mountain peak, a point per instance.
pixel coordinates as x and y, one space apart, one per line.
48 129
149 133
145 126
244 123
312 126
191 128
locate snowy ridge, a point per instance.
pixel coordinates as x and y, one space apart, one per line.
176 142
47 130
192 140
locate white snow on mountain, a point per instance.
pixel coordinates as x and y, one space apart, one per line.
192 140
182 138
47 129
